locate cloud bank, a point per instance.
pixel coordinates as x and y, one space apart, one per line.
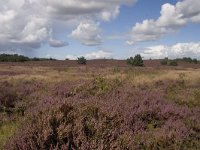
172 18
178 50
88 33
29 23
101 54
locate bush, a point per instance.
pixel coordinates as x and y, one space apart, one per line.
8 95
36 59
187 59
136 61
173 63
81 60
164 62
68 127
195 61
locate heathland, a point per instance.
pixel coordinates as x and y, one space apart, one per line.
105 104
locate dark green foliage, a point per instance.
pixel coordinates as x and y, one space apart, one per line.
164 62
173 63
195 61
130 61
82 60
136 61
188 59
43 59
36 59
13 58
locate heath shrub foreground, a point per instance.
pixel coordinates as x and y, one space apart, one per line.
99 108
125 117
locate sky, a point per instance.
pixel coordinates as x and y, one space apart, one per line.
99 29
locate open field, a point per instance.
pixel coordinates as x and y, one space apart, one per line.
105 104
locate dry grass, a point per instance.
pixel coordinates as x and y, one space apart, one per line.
134 75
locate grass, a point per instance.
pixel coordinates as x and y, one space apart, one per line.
7 130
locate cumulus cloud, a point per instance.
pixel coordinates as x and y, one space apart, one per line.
57 43
101 54
110 14
84 7
71 57
98 55
172 18
28 23
174 51
88 33
19 27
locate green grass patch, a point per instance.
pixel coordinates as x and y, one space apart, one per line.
7 130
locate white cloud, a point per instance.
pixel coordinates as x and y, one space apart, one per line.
57 43
27 23
172 18
85 7
71 57
155 52
101 54
110 14
146 31
98 55
174 51
20 27
88 33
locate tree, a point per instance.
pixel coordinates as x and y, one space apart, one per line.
136 61
81 60
13 58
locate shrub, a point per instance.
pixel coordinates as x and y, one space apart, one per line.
195 61
164 62
8 95
130 61
68 127
187 59
81 60
173 63
36 59
136 61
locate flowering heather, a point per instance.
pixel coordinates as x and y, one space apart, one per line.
124 118
103 109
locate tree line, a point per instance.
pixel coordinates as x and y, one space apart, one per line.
21 58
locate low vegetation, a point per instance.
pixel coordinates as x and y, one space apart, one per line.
136 61
173 63
13 58
82 60
21 58
166 61
189 60
99 108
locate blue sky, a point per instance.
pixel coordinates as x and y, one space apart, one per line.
100 29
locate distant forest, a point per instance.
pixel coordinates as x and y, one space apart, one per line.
20 58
